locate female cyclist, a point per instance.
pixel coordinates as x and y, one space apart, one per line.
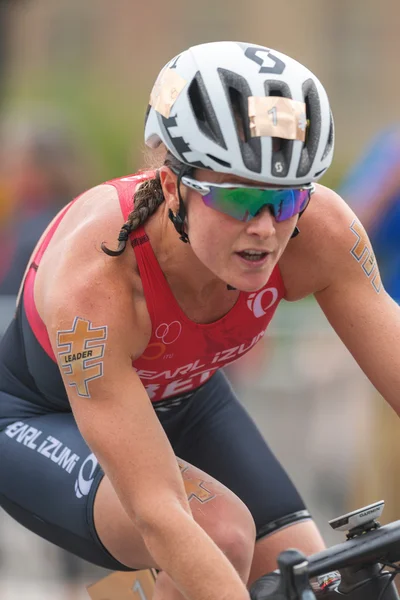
120 439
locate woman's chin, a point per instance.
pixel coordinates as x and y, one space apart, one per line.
250 276
250 283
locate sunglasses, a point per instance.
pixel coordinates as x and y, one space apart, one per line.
244 202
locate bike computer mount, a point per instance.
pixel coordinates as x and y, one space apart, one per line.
359 521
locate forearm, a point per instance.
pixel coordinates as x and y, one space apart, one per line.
182 549
379 357
369 326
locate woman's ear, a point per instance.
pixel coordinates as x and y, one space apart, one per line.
168 181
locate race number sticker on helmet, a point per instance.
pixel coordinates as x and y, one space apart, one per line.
277 117
362 252
80 353
166 91
260 302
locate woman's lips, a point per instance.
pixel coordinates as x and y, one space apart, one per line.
253 257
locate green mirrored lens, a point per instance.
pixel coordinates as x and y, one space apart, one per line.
245 203
239 203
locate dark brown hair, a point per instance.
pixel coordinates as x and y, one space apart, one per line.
147 199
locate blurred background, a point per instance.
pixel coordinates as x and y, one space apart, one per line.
75 78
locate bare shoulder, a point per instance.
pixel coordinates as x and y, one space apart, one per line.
77 279
329 230
95 213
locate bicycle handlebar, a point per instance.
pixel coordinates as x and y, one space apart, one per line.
380 545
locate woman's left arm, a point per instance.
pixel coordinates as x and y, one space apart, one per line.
354 301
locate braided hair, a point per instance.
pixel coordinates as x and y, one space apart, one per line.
147 199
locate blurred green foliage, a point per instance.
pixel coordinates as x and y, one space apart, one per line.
109 125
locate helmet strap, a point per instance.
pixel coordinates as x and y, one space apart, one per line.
179 224
296 229
178 219
295 232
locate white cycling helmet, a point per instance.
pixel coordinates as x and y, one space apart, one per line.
199 109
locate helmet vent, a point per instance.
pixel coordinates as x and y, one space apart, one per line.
329 144
237 92
221 162
204 112
319 173
277 88
146 116
313 116
239 114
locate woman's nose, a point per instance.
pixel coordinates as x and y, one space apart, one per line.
263 224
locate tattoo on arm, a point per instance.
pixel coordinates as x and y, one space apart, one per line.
80 353
363 254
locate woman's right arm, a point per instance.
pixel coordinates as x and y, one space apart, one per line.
92 321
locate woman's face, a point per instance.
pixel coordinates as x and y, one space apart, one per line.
242 254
